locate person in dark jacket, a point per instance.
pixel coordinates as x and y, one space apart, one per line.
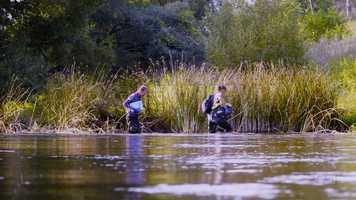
220 112
134 106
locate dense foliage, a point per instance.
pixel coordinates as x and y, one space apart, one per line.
40 35
265 31
345 74
328 24
70 63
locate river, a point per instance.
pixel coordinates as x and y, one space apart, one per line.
189 167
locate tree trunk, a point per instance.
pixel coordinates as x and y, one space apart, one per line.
311 6
347 8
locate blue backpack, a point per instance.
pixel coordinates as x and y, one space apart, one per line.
207 104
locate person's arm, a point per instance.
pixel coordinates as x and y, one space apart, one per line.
128 101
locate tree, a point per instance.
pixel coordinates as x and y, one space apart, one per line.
264 31
40 34
151 32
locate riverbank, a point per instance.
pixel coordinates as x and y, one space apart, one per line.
265 98
76 132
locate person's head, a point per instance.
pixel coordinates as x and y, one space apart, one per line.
142 90
222 89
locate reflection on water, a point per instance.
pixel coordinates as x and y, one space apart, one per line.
134 166
146 167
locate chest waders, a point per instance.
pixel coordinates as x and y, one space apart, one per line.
219 120
133 122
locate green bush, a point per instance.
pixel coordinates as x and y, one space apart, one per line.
264 31
324 24
345 74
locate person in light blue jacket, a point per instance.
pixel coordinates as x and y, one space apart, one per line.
134 106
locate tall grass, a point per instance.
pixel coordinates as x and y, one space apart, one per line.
15 109
84 101
67 101
280 99
175 98
265 99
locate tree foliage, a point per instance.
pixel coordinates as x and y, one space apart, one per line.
264 31
324 24
37 35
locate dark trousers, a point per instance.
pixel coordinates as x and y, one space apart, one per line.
133 123
221 125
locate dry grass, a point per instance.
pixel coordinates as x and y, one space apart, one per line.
14 105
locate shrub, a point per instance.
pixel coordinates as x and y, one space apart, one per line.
345 74
327 51
324 24
264 31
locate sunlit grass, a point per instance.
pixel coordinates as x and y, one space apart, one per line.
67 101
15 109
344 73
265 99
352 27
175 98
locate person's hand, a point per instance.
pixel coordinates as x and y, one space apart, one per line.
228 104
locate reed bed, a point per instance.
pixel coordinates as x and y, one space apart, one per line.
175 99
266 98
67 101
16 112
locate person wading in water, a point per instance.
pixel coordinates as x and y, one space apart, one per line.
134 106
218 111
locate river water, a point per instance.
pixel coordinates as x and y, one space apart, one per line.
189 167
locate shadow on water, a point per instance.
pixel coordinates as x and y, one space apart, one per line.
178 167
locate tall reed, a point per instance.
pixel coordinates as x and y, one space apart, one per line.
67 101
265 99
176 96
15 109
280 99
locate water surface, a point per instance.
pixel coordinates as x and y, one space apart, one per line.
165 167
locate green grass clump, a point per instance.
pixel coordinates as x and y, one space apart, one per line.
15 109
175 99
280 99
90 102
67 101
